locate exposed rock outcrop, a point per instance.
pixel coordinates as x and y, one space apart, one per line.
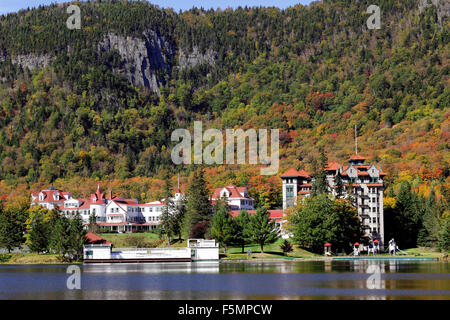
145 60
196 57
32 61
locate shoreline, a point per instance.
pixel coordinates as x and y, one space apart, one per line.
254 260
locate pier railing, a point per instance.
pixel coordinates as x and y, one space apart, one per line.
150 253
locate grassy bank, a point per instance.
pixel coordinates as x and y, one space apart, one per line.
132 240
271 251
31 258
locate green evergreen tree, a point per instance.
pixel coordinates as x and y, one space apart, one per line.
222 225
68 238
77 237
339 186
242 225
198 206
261 229
167 218
178 217
444 235
93 226
320 184
61 237
429 233
39 235
406 220
12 227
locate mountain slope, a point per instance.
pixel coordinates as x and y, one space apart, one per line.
101 102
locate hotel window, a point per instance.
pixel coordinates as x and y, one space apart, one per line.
374 220
150 209
290 191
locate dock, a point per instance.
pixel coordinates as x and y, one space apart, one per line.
143 260
196 250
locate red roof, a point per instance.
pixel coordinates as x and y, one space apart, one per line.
357 157
327 244
95 239
356 244
333 166
273 214
234 192
295 173
48 195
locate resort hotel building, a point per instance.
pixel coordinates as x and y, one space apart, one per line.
366 181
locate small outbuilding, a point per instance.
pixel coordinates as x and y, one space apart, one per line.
327 249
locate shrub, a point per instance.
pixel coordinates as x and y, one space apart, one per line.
286 246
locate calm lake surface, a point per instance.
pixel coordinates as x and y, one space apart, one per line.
387 279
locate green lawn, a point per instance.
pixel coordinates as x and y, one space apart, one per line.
424 252
271 251
124 240
31 258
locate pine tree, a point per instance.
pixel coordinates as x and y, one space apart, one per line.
12 227
242 223
405 222
93 226
68 238
167 219
77 237
178 217
320 184
61 237
444 235
262 229
339 186
222 225
39 235
198 207
429 233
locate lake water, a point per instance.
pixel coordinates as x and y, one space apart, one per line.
387 279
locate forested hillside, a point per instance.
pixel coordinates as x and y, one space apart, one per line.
100 103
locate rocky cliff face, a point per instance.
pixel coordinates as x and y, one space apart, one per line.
32 61
189 60
145 60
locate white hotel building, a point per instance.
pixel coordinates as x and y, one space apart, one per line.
111 212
